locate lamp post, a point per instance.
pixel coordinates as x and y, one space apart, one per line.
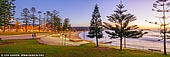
162 6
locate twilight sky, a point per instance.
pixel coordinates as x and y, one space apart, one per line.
80 11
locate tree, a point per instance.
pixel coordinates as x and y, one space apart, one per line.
7 11
33 10
0 22
26 14
17 23
39 12
44 22
163 7
95 25
47 19
47 15
55 19
121 28
66 24
51 20
57 23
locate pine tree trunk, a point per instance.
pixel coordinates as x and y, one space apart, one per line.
97 41
51 26
44 24
8 28
33 25
17 28
124 42
4 28
121 38
39 25
26 26
121 43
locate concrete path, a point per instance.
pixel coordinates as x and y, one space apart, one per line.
75 40
23 36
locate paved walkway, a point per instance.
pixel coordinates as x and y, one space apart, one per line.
75 40
23 36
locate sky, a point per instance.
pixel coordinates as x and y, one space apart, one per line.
80 11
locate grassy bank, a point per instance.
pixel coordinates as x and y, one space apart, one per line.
87 50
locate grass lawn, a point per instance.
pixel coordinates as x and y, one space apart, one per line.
87 50
18 33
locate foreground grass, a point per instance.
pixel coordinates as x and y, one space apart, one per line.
87 50
19 33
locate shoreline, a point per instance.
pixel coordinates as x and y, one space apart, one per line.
75 35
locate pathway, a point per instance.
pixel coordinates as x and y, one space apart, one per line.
75 40
23 36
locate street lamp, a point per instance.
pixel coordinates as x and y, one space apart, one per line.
162 6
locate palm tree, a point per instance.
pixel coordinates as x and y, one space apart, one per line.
33 10
26 14
39 12
121 28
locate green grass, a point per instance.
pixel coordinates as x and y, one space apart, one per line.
87 50
19 33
